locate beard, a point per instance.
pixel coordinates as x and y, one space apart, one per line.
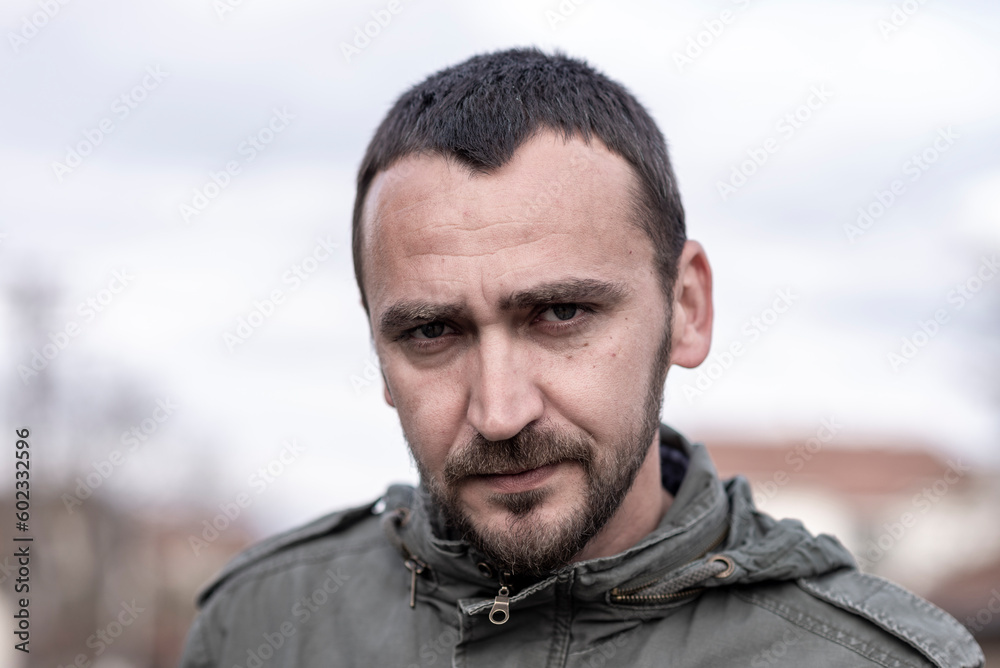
526 544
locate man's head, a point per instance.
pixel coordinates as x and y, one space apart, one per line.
481 111
521 303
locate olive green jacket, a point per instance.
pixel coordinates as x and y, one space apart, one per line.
716 584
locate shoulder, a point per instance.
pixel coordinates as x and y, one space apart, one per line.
924 626
289 555
871 617
279 586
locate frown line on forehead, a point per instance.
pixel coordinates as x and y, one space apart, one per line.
405 314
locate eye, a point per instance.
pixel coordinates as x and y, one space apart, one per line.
431 330
558 312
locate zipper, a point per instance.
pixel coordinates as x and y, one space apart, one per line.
416 567
500 612
618 595
658 598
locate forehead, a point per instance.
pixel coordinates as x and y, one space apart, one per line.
559 209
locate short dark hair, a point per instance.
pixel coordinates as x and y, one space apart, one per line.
482 110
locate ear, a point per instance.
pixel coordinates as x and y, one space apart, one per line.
692 312
386 393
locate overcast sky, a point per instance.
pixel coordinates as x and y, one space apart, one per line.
783 120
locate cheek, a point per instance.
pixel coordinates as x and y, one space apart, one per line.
603 386
431 412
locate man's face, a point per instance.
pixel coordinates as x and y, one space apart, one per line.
523 334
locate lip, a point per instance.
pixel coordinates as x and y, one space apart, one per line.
511 483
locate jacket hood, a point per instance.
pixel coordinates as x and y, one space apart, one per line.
711 536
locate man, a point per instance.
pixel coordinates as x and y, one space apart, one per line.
520 249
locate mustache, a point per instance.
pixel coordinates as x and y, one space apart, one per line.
531 448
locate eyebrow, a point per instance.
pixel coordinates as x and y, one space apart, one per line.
573 290
406 314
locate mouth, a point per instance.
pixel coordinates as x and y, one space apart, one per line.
519 480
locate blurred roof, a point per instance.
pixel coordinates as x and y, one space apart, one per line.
873 469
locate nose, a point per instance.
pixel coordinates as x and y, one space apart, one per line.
504 396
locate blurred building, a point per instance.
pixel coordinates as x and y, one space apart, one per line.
112 586
907 513
974 598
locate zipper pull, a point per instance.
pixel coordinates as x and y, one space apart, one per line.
500 612
416 566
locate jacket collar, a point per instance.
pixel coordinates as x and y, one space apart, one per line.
695 523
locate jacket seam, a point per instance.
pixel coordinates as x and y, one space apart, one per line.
918 641
283 561
283 542
826 630
562 623
315 529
